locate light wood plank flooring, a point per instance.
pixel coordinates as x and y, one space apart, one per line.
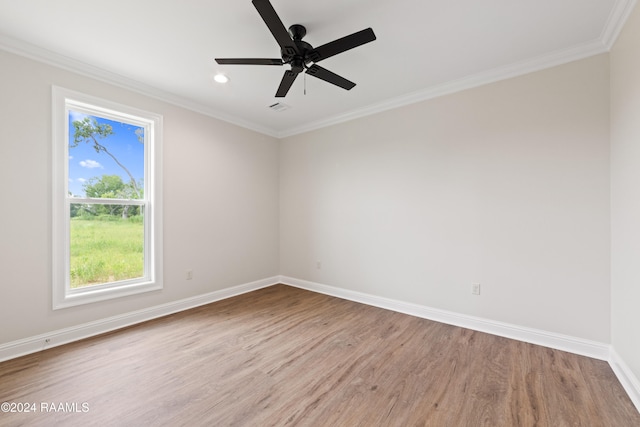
284 356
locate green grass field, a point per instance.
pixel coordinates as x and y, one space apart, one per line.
105 251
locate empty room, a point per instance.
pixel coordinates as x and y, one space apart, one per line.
339 213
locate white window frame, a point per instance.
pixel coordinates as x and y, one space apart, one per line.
64 296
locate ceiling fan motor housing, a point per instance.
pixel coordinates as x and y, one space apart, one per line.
299 61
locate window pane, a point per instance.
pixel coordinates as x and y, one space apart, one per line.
107 172
106 157
106 244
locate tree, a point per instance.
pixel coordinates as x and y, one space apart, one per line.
105 187
74 209
110 187
90 131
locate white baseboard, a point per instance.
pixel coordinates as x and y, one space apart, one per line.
629 381
37 343
596 350
570 344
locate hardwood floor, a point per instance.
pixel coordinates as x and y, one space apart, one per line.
284 356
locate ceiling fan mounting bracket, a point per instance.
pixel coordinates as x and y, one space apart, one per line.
297 31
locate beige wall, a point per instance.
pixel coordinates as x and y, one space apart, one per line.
220 202
625 193
506 185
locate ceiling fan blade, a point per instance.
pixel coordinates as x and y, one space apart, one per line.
341 45
287 80
249 61
328 76
277 28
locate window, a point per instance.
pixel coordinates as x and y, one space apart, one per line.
107 206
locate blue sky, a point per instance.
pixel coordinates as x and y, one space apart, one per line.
85 163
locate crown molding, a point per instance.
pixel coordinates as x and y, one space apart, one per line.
491 76
617 18
36 53
614 24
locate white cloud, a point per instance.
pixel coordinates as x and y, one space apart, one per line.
90 164
70 157
77 116
81 180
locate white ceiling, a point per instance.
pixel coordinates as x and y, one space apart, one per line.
424 48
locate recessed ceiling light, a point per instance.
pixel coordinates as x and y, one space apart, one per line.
221 78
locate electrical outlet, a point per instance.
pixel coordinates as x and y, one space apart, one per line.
475 288
189 274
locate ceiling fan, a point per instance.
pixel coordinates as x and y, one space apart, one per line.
299 54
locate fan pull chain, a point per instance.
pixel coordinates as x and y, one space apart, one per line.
305 83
